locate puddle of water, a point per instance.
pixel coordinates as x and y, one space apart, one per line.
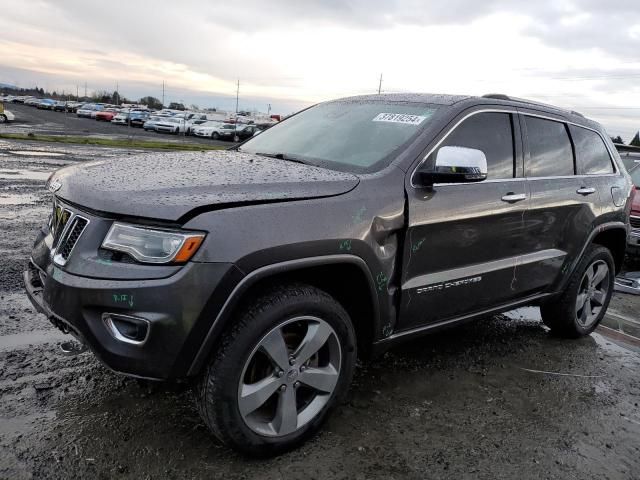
524 313
7 174
36 153
17 198
20 340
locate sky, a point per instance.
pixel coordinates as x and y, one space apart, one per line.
577 54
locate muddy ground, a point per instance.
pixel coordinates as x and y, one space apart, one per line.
467 403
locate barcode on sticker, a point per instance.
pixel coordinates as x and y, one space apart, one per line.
399 118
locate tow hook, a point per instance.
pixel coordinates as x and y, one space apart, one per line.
71 348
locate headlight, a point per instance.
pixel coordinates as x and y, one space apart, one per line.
152 246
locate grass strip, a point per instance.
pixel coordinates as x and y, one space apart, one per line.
111 142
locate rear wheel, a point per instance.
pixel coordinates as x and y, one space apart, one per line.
581 307
287 360
215 135
3 118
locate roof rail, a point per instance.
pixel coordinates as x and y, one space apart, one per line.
500 96
497 96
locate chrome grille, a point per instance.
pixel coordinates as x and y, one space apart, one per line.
66 227
71 236
635 222
59 218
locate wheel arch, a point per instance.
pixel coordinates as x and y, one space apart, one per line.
612 235
615 239
346 277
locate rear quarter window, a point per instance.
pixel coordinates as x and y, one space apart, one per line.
592 156
550 151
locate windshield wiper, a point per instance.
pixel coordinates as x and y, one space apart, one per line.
282 156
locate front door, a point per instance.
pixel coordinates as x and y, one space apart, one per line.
464 241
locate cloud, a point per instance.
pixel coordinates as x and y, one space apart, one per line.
300 52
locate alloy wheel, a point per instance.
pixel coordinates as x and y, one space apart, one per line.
592 293
290 376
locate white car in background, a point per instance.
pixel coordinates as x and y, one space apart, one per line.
171 125
211 129
6 116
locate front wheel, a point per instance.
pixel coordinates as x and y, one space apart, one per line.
286 361
581 307
3 118
215 135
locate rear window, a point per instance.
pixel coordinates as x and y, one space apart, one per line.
550 149
591 153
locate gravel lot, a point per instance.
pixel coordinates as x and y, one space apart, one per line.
47 122
470 402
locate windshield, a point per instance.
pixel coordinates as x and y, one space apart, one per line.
351 136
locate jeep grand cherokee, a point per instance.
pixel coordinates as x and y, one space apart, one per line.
262 272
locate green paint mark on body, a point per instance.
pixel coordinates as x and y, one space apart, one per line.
345 245
382 280
416 246
123 298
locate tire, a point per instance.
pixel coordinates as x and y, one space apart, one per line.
590 285
288 313
236 138
215 136
3 118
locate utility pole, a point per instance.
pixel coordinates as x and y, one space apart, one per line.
162 93
269 110
235 125
85 89
380 85
118 93
77 96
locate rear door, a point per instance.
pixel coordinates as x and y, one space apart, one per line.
563 205
464 240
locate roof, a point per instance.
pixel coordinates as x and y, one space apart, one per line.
433 98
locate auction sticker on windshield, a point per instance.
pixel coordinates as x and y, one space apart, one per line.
399 118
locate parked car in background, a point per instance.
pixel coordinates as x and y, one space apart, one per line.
46 104
72 107
231 131
99 108
31 101
137 119
121 118
150 123
85 110
171 125
633 243
246 131
59 106
6 115
106 115
210 129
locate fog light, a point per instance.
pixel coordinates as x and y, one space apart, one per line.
127 329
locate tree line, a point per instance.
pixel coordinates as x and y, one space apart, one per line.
98 96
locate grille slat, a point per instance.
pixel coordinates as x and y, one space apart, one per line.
71 236
635 222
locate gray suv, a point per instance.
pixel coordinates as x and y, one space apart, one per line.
261 273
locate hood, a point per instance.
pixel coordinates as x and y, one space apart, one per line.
167 186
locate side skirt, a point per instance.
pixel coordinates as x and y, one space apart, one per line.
385 344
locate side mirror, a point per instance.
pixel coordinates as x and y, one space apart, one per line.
454 165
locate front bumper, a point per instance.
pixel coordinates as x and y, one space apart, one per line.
179 310
633 241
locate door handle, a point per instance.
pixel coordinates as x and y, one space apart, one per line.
514 197
586 190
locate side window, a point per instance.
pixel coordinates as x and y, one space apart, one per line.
550 149
592 155
493 134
